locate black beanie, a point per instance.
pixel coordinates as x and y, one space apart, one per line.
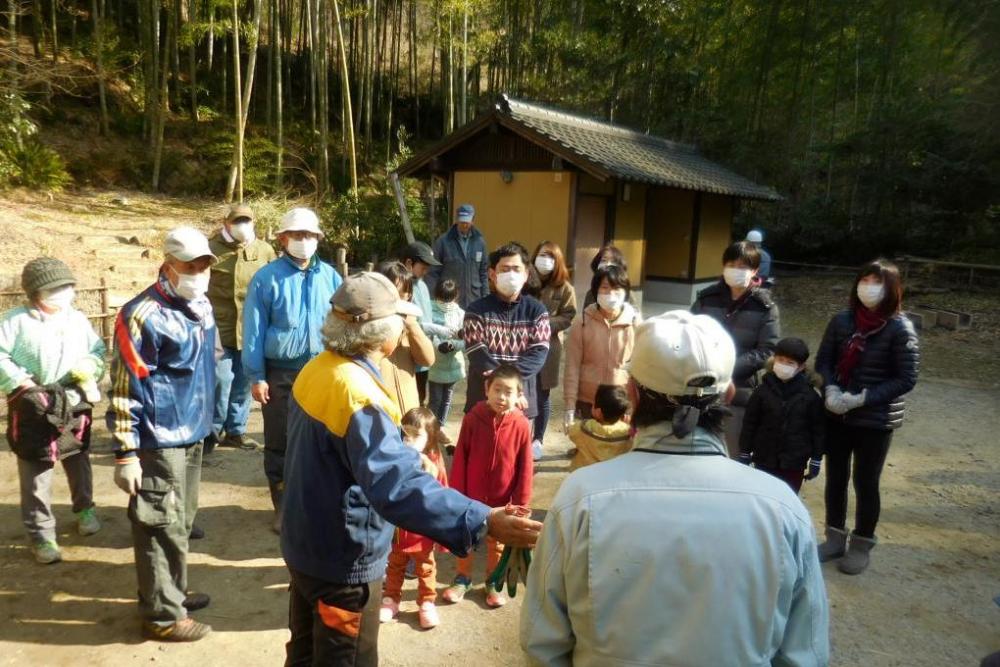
45 273
793 348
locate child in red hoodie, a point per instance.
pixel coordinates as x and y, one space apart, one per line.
420 431
492 464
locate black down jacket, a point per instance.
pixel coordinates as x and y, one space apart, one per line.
43 426
754 327
785 423
887 368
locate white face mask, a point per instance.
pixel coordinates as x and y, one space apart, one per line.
191 286
417 442
735 277
242 232
611 301
785 372
58 299
871 294
302 248
544 264
510 283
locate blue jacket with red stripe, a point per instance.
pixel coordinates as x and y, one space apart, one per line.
163 372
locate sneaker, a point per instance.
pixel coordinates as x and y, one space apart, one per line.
187 630
46 552
197 532
87 522
458 589
196 601
536 450
494 598
428 615
388 611
239 440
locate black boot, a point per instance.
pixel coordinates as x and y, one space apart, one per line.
277 494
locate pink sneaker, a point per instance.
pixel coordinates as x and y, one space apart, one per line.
389 610
494 598
429 616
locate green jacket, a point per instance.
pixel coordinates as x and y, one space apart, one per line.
227 288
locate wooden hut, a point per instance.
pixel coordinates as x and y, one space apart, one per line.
535 173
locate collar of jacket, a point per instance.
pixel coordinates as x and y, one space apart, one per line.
660 438
196 310
624 319
311 267
608 432
484 412
473 232
760 294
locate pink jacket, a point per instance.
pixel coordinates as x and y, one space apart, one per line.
596 352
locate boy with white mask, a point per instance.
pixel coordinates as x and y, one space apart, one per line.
241 254
747 311
286 303
506 327
43 343
784 428
165 356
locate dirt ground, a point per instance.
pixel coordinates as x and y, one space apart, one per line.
928 598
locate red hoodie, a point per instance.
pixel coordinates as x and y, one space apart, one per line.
493 457
409 542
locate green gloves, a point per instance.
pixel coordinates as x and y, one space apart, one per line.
512 568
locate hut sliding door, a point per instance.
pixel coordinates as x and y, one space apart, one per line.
591 217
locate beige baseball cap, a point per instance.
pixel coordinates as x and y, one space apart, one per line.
368 296
239 212
187 244
300 220
680 354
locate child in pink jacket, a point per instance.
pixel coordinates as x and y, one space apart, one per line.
600 343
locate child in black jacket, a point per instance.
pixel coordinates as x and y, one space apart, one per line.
785 426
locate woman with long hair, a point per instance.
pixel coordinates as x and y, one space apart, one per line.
869 359
607 256
558 296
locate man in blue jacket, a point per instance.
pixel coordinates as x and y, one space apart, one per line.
463 256
286 304
349 475
162 393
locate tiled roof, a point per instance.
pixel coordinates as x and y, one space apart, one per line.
632 156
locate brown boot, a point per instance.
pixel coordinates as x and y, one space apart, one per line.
186 630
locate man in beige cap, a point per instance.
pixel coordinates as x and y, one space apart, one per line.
286 303
162 392
240 255
349 478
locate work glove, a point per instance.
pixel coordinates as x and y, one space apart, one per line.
813 471
444 347
745 458
128 475
854 401
835 400
511 570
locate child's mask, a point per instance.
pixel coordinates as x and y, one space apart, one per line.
785 372
414 438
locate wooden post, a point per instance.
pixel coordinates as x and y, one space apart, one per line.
105 315
341 262
401 203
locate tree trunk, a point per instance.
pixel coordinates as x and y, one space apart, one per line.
238 113
193 60
324 99
37 28
463 110
278 101
55 31
243 101
449 109
163 109
99 39
349 140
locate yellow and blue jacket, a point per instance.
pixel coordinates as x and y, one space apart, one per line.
349 478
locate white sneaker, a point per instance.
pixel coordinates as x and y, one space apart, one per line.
536 450
429 616
388 611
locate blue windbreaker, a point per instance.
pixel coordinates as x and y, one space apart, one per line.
283 315
163 372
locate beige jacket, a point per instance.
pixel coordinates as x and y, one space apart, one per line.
596 352
561 304
596 442
399 371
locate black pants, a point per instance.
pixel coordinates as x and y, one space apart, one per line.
332 625
421 377
868 447
275 413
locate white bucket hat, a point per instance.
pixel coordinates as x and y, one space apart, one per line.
300 220
680 354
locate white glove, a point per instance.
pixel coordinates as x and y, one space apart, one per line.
835 402
128 475
568 419
853 401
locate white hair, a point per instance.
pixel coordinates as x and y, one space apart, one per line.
351 339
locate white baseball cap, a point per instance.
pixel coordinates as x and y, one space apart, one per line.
300 220
680 354
755 236
187 244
